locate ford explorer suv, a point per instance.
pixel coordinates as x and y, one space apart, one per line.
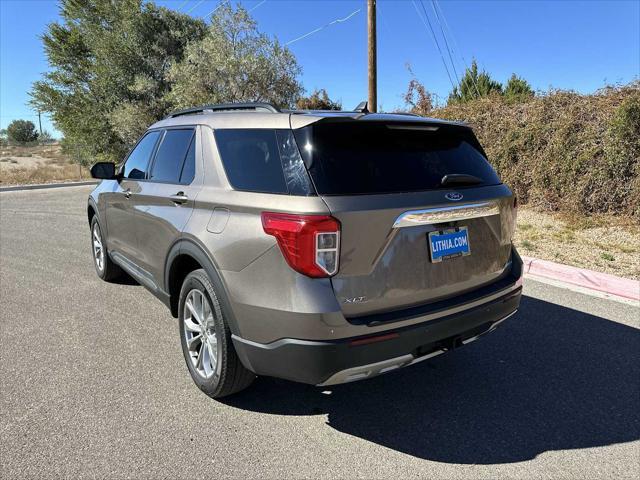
320 247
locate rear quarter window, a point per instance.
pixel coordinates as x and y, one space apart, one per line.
263 160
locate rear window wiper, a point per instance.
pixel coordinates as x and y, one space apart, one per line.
460 179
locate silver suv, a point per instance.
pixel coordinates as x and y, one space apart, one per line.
319 247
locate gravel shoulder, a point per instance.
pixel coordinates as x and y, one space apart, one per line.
605 244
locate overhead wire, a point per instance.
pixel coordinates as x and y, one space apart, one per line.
222 2
446 43
383 18
434 37
194 7
455 43
258 5
316 30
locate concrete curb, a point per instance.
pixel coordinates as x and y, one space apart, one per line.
38 186
603 282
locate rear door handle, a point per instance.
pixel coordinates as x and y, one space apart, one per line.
127 193
179 198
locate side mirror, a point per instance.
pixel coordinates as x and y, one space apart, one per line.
104 171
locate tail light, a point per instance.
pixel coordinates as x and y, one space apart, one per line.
309 243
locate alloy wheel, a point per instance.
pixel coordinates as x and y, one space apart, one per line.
200 333
98 249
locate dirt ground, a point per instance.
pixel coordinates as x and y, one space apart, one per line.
603 243
38 164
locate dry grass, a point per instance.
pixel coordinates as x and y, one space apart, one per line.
42 174
37 164
603 243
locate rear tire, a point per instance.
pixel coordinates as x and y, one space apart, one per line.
105 268
206 339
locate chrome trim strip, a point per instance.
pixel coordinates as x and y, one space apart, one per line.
453 213
365 371
428 356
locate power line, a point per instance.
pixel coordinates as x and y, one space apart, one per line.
194 7
222 2
434 38
258 5
316 30
382 17
182 5
453 37
453 65
446 24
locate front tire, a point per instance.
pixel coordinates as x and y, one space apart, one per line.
105 268
206 339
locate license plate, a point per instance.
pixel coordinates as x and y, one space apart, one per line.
449 243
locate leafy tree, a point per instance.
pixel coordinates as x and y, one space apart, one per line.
22 131
517 90
318 100
234 62
108 72
474 84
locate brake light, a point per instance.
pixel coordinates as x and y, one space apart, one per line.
310 243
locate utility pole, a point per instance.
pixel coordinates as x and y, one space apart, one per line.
373 69
40 122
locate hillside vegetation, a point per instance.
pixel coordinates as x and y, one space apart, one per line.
562 151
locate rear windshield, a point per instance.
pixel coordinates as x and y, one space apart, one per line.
346 158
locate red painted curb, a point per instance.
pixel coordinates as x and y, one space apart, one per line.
603 282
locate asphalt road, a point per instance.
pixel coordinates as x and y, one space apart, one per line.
94 385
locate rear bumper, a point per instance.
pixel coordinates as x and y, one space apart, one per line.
344 360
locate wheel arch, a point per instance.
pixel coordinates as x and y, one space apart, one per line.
184 257
92 211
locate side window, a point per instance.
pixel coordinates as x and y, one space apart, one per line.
189 168
138 160
171 155
251 160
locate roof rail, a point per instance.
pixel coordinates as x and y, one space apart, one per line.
226 107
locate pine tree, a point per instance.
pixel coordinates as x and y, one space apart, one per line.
473 85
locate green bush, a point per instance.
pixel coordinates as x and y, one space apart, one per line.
563 151
22 131
473 85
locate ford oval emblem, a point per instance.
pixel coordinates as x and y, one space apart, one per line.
453 196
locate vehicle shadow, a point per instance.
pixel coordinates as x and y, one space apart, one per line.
551 378
124 279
